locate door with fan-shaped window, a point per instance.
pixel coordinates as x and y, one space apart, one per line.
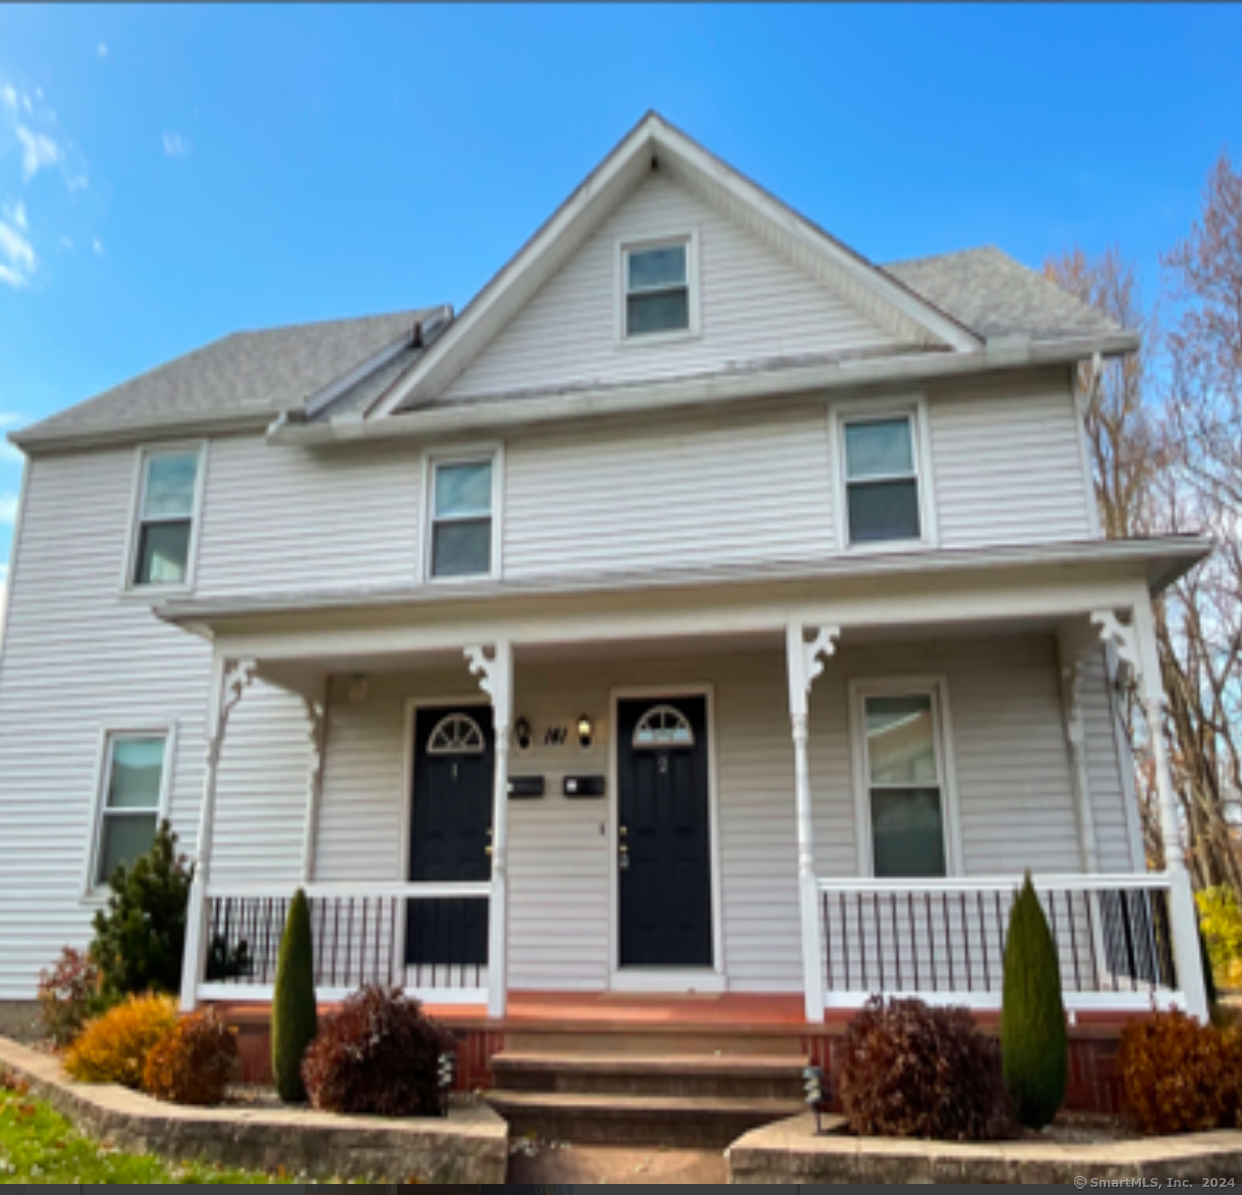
663 834
450 832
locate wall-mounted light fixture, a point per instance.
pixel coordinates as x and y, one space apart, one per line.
522 733
585 731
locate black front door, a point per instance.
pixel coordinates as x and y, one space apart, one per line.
450 832
663 841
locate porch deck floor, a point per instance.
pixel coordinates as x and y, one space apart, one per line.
630 1010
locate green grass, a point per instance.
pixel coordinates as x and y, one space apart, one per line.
38 1145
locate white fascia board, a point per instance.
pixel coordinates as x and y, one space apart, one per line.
502 412
592 196
325 396
177 424
592 201
1159 559
816 240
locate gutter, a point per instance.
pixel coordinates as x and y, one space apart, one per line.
1173 557
510 411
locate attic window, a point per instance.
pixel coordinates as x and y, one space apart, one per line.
659 293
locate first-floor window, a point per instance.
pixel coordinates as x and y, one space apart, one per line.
133 783
904 784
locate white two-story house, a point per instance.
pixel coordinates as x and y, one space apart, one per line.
702 610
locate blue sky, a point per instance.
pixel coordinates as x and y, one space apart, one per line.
168 175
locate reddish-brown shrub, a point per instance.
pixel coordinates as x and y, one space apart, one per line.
1178 1075
912 1070
69 995
194 1063
378 1054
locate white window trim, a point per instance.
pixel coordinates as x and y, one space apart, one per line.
937 687
623 247
914 407
96 893
462 455
136 500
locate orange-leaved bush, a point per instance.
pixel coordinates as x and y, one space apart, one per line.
113 1048
194 1063
1178 1075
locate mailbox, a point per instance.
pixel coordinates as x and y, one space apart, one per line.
525 786
584 786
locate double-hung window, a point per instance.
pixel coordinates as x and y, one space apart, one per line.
658 285
905 791
882 479
461 517
167 500
131 800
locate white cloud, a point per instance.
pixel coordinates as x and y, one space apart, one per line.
8 508
37 151
102 49
97 245
11 418
17 257
176 146
11 453
8 93
19 216
66 242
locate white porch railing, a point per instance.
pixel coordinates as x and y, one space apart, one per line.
429 938
943 940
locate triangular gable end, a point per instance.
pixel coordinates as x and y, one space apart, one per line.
904 316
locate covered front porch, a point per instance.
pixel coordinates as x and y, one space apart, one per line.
570 721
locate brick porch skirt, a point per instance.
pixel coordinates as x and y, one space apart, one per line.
1093 1040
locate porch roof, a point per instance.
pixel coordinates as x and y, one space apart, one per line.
1159 562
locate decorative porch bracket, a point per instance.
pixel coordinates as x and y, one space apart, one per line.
495 675
316 730
1136 648
236 676
804 662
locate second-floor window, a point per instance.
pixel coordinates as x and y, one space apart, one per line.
461 518
881 479
167 500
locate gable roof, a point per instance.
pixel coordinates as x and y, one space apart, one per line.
655 142
995 296
243 376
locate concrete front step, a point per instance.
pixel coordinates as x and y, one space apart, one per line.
754 1076
606 1118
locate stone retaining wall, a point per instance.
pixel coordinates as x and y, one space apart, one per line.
469 1146
790 1152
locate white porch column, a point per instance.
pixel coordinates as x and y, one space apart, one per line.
803 666
1071 661
229 681
1136 646
496 679
317 732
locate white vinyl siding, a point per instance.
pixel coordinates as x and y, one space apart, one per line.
753 305
730 489
1007 463
280 520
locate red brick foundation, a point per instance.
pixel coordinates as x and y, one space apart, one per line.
1092 1083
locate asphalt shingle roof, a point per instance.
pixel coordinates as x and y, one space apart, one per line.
246 373
264 373
994 295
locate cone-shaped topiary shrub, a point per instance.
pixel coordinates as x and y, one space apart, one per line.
294 1019
1034 1049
